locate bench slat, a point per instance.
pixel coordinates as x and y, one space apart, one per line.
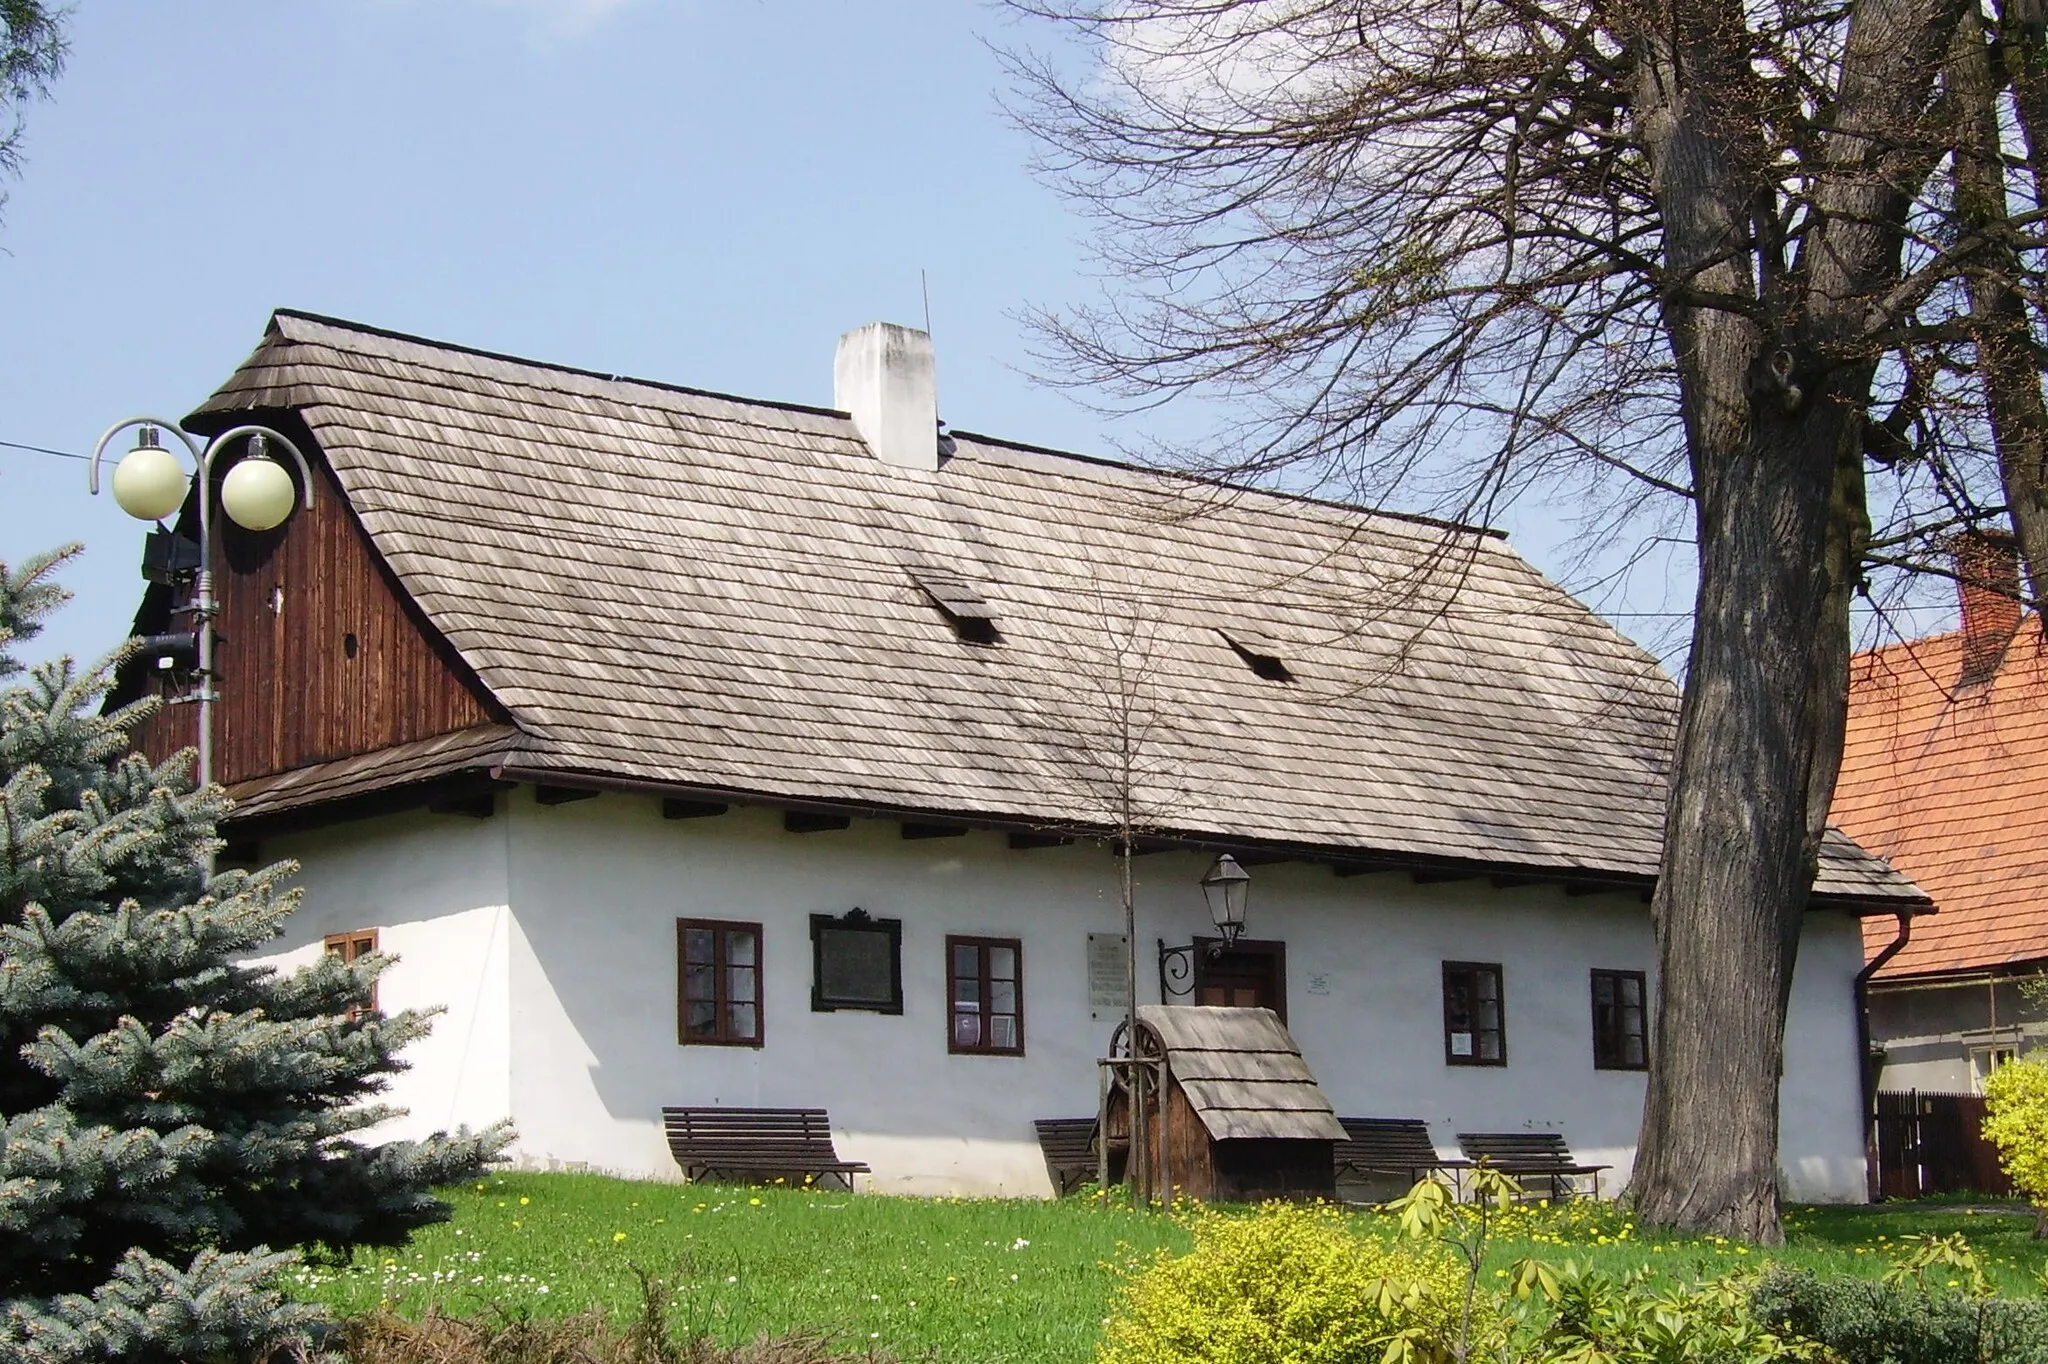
1069 1148
734 1141
1531 1153
1389 1146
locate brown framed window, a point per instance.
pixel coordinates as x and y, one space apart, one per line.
1475 1015
985 982
349 946
718 990
1621 1028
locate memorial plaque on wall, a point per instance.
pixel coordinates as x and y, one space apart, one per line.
1106 975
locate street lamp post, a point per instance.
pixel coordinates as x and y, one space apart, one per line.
258 494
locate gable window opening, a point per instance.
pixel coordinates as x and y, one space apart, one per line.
856 963
349 947
985 982
1262 662
965 609
1620 1020
1475 1022
720 988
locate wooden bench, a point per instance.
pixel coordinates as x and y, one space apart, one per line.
1398 1147
1069 1147
1527 1155
756 1145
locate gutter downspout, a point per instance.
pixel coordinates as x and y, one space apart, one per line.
1866 1073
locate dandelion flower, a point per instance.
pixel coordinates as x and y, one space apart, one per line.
617 1237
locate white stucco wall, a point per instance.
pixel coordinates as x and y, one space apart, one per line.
434 887
563 1011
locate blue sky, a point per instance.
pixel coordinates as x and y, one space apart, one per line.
704 192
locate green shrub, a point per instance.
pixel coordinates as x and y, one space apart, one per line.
1285 1284
1864 1322
2016 1122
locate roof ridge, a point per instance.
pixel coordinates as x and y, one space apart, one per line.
503 357
980 438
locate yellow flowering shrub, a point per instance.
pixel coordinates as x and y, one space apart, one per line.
2016 1122
1284 1284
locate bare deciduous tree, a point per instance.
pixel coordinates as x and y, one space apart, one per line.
1748 256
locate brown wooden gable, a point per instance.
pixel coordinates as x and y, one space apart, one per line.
321 654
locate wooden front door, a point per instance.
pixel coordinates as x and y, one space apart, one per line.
1246 975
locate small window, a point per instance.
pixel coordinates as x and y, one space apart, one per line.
349 946
1620 1021
719 983
1985 1060
966 610
856 963
985 982
1475 1020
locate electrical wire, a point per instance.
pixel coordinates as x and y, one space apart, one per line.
43 450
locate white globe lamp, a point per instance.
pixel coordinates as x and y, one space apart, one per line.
257 494
149 482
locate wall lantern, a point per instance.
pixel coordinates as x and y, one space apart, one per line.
1226 886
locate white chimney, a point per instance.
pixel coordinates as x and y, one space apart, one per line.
886 376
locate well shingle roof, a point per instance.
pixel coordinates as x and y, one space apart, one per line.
1950 781
1242 1073
679 587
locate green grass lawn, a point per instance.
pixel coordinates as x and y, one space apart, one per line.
970 1280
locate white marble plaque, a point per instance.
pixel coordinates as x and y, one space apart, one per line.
1106 976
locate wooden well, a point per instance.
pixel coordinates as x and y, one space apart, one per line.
1242 1118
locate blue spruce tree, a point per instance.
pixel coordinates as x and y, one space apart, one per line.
175 1127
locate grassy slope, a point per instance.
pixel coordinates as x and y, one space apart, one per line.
969 1281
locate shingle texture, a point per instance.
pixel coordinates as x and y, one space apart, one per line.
1242 1073
684 588
1950 781
481 746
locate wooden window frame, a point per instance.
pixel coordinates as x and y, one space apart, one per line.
1275 949
1500 1000
722 1000
982 946
1610 1053
362 942
856 921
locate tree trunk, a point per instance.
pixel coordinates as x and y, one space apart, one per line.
2007 366
1761 717
1774 399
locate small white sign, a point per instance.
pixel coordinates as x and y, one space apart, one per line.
1318 983
1107 978
1461 1044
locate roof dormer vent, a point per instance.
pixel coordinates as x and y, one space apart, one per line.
969 613
1258 656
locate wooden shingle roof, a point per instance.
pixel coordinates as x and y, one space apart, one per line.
1242 1073
704 592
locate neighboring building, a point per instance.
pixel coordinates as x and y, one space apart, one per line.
1946 775
605 705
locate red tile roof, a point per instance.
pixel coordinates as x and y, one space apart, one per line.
1949 780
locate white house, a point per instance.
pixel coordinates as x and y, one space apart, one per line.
604 704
